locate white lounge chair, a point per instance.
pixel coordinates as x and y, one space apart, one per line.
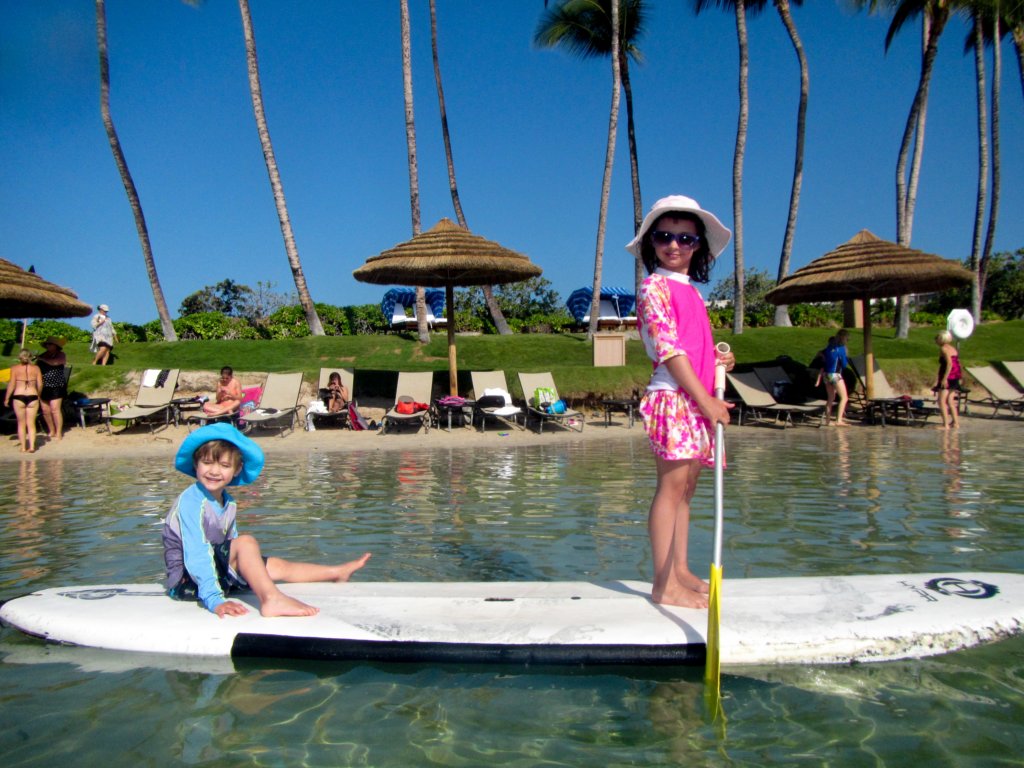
1002 394
152 404
492 400
530 383
412 388
279 404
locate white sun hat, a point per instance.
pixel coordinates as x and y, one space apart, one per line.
717 234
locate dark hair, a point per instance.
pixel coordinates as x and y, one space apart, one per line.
213 450
334 375
700 263
228 370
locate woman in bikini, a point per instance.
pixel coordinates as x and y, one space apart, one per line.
24 387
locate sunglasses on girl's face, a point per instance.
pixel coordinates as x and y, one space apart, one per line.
685 239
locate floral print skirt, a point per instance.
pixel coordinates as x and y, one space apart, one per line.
675 427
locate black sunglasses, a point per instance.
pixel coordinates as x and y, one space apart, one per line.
685 239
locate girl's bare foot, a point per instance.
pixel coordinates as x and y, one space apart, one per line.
346 570
684 598
282 605
693 583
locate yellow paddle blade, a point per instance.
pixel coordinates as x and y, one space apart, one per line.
712 670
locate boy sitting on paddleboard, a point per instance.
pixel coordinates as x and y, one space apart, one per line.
206 557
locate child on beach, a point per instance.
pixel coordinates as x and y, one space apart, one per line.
948 385
832 372
677 243
206 558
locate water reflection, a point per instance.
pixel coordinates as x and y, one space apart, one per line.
798 502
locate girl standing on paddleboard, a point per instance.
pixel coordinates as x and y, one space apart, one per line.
677 242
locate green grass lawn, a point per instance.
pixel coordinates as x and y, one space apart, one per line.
907 362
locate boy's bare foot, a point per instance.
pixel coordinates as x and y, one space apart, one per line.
346 570
684 598
282 605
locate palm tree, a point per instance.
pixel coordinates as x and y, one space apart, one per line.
935 14
584 28
978 284
606 183
414 175
997 70
739 8
782 6
492 304
126 177
256 92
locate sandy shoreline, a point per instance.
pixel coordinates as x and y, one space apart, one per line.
94 442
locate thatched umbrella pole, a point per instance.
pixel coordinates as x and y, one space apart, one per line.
869 355
453 371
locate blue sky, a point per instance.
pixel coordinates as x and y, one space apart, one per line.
528 127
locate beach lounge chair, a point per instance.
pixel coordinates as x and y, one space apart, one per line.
492 400
530 383
279 404
773 375
316 417
1016 369
886 400
411 393
152 404
400 321
1001 394
756 400
194 416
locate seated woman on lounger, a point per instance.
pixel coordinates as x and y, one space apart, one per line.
337 393
228 397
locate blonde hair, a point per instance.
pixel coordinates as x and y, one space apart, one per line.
24 357
944 337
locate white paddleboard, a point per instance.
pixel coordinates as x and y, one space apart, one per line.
806 620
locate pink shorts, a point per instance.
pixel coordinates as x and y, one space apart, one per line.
675 427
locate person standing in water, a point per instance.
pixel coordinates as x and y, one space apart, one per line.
677 242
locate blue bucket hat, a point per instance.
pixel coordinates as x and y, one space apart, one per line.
252 454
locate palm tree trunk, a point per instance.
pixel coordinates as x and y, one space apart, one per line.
126 177
977 284
500 324
739 305
634 165
606 183
291 249
414 176
906 190
993 211
1018 44
782 311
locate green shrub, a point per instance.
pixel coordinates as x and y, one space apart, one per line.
366 319
213 325
40 329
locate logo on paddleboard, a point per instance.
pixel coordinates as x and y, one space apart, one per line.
103 593
949 585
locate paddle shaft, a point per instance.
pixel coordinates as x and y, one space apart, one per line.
723 348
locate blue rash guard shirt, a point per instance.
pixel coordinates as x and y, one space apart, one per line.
195 524
835 358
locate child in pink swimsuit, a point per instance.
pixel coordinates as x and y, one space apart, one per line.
677 243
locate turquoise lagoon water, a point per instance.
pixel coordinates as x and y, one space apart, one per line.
801 502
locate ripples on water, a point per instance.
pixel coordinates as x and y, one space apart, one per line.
799 502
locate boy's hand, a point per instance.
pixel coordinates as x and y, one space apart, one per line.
230 608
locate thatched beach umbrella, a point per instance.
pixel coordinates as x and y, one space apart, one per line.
866 268
447 255
25 294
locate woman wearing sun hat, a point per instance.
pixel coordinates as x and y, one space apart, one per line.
103 335
52 362
677 243
205 556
